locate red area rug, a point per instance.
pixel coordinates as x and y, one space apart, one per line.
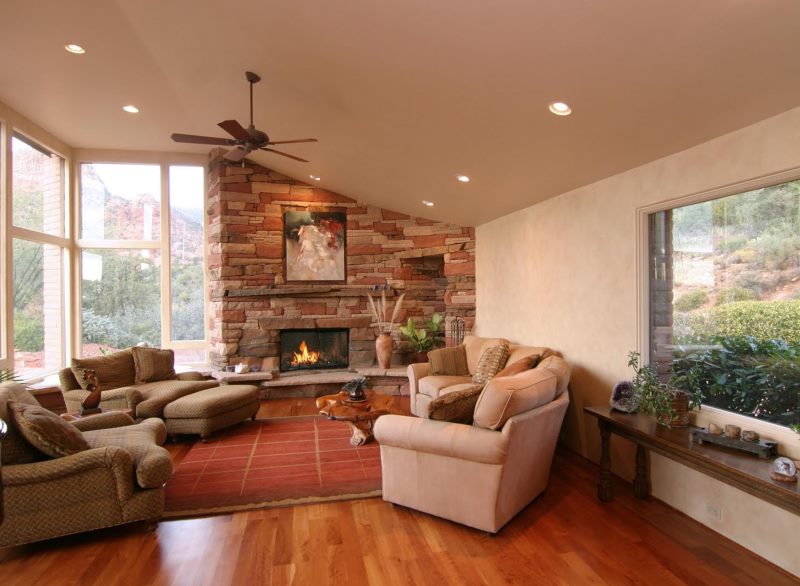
274 462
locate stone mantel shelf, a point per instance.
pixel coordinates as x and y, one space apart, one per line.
305 291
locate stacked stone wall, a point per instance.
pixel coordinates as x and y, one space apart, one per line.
433 263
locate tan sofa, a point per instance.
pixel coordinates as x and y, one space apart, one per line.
117 374
477 476
425 388
120 479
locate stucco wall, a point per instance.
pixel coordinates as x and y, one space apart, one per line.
563 273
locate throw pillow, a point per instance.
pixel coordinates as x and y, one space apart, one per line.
153 364
520 365
448 361
504 397
46 431
113 370
457 406
491 362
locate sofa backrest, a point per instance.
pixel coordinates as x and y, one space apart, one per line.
516 352
475 346
15 449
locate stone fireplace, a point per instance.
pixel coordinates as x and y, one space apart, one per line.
387 252
314 349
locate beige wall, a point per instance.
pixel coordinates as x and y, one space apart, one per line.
563 273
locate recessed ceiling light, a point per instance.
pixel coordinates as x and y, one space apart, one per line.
427 202
315 178
462 178
560 109
77 49
131 109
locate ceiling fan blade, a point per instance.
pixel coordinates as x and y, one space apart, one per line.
235 129
192 138
236 154
296 140
285 155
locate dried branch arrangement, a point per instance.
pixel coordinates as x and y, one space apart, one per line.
379 313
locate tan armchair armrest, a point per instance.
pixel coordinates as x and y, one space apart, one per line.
455 440
117 460
104 421
415 372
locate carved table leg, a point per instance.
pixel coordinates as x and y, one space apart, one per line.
362 432
641 482
605 491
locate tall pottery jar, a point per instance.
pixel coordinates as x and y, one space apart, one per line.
384 345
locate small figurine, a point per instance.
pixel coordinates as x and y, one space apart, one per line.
355 389
623 397
784 470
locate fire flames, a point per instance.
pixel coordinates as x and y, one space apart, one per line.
304 356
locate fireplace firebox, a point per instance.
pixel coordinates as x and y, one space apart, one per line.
314 349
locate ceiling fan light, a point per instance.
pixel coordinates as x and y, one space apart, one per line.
428 203
73 48
315 177
560 108
131 109
462 178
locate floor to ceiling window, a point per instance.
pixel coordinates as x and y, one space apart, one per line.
141 251
39 249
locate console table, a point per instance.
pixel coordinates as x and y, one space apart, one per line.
743 471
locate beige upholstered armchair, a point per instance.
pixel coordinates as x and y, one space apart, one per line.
119 479
479 475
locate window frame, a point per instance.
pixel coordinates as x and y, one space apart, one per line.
163 245
7 133
788 440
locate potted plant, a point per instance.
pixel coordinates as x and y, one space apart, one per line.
669 405
421 341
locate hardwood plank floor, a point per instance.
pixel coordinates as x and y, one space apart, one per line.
566 536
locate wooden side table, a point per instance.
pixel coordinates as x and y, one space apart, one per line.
359 415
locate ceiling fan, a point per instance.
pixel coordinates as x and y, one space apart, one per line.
245 140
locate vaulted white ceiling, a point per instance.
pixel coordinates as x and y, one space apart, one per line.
405 95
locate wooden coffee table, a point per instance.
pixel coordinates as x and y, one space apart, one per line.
360 416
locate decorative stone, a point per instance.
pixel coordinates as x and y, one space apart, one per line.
784 470
623 397
733 431
749 435
714 429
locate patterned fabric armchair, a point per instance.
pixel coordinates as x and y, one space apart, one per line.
120 479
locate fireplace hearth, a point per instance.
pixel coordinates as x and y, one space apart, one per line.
314 349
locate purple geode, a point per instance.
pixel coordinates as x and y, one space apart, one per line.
623 397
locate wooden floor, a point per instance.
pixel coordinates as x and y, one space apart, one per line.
564 537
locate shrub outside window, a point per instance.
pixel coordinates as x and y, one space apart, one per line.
725 300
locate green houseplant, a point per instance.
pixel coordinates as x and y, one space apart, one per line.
669 405
422 340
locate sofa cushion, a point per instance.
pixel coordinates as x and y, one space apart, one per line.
492 361
16 450
113 370
153 364
475 346
504 397
457 405
151 462
159 394
520 365
449 361
46 431
517 352
433 385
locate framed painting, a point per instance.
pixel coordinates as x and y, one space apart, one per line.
314 244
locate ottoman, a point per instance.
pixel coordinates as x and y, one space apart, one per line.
210 410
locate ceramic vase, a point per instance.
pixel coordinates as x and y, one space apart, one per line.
383 350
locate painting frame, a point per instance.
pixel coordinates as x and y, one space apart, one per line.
314 245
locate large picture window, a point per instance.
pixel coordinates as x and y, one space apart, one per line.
725 300
38 253
142 249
